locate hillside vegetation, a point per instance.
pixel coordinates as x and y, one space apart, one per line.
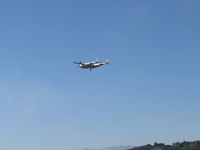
195 145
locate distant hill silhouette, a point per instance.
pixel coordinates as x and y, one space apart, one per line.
195 145
111 148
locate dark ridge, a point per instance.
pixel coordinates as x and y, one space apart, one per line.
194 145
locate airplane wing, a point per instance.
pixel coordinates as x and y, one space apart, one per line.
77 62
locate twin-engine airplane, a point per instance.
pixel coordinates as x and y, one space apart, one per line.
91 65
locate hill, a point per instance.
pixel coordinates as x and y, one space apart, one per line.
111 148
195 145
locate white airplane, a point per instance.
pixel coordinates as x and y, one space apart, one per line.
91 65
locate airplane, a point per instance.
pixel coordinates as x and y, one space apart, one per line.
91 65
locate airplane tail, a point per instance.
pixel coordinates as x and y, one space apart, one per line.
107 61
97 60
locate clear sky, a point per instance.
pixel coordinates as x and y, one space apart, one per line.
150 91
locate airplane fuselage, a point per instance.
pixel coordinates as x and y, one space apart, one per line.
90 65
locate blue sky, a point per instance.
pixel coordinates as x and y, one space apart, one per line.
149 92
